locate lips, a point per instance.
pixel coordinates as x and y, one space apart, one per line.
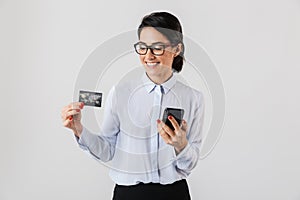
152 64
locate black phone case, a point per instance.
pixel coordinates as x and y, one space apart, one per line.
177 113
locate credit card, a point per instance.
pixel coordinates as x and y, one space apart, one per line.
90 98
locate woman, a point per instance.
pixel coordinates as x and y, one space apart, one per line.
150 160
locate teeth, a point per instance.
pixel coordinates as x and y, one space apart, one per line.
151 64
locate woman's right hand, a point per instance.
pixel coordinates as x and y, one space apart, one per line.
71 117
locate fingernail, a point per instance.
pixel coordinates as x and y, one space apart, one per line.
77 110
158 121
70 118
170 117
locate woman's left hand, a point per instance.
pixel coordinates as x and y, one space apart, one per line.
176 138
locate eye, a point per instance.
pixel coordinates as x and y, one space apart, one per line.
158 47
142 46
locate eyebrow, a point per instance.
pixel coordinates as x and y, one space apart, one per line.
152 43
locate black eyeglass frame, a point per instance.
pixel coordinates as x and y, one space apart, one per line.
151 47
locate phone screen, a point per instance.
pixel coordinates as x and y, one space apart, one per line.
177 113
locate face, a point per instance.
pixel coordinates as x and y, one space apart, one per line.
158 68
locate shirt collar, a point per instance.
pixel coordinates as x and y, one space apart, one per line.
150 86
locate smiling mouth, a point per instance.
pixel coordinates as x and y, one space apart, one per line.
152 64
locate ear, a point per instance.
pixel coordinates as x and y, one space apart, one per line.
178 50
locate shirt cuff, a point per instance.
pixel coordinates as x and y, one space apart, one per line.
184 152
84 138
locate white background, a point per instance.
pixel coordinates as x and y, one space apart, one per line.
254 44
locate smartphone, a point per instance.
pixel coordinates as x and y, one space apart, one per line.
177 113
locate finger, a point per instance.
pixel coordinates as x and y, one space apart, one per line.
174 122
183 125
167 129
67 107
159 125
71 113
75 105
165 137
68 118
70 107
68 121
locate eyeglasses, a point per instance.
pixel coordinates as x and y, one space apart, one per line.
157 49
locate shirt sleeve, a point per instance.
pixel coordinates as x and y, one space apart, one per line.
102 145
187 159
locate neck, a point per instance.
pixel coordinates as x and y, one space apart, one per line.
160 80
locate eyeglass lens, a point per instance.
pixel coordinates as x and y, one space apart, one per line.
156 49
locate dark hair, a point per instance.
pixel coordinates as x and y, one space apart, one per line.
169 26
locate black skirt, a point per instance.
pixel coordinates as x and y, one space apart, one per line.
153 191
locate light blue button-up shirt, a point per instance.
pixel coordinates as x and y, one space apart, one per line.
129 140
